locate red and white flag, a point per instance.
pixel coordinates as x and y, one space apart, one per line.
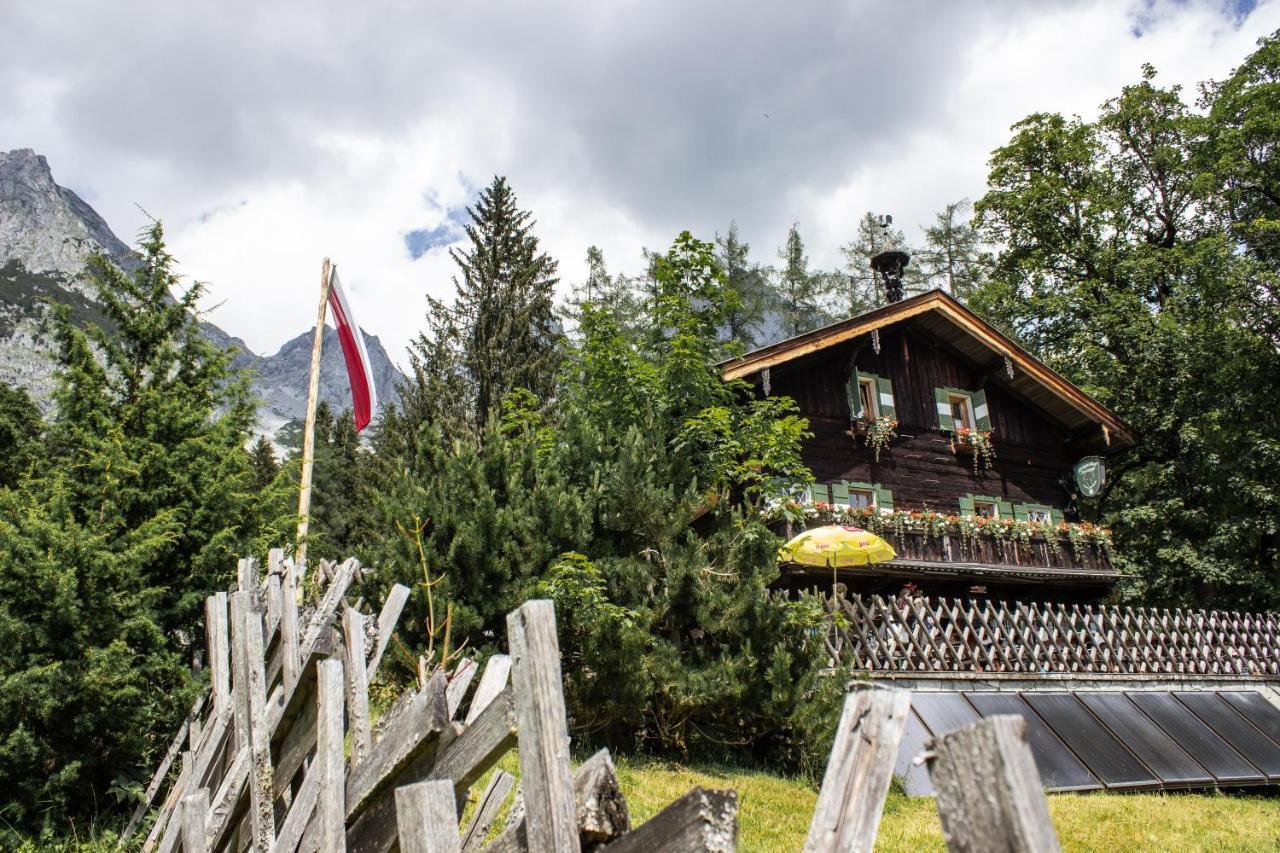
364 396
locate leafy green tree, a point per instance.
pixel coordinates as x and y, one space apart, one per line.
1111 270
951 257
500 332
799 291
142 499
20 427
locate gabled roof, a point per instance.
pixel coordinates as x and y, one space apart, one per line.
942 316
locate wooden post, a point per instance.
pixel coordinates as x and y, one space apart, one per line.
427 818
251 702
988 789
331 804
215 614
357 684
387 620
195 815
859 771
309 426
542 728
289 626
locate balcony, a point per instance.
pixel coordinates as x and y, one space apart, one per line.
966 548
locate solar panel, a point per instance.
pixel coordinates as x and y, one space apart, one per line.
1256 709
1105 756
915 778
1146 740
943 712
1259 749
1060 769
1201 743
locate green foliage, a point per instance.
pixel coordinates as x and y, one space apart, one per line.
633 503
745 321
799 291
1114 270
136 507
20 428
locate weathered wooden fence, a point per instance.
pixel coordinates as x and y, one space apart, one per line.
876 633
280 755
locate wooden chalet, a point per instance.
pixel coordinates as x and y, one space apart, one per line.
935 381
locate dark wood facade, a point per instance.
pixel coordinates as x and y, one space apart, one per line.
920 467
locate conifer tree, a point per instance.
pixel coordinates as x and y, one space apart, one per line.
265 464
500 332
20 426
615 294
951 257
141 502
798 289
744 322
857 288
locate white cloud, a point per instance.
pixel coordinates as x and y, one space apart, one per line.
267 135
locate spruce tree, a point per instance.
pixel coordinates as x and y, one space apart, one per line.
857 288
500 332
615 294
142 500
265 465
798 290
20 427
744 322
951 258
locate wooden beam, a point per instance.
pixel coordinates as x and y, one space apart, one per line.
988 790
542 728
496 673
427 818
195 816
459 682
251 700
481 744
600 810
357 684
387 620
859 770
699 822
487 808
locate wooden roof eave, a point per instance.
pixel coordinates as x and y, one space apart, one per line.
935 300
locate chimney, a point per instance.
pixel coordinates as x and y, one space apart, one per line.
889 263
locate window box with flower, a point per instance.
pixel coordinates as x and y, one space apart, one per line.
976 442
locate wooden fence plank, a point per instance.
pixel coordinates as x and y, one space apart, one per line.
459 681
699 822
479 746
250 689
195 815
496 673
988 790
357 684
600 810
427 818
542 728
859 771
289 623
387 620
331 797
487 808
299 815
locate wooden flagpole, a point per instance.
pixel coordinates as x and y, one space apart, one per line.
309 430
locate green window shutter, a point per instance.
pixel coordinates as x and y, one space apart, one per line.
946 423
1020 512
839 494
851 392
884 497
966 505
1006 508
885 389
1055 515
981 414
818 494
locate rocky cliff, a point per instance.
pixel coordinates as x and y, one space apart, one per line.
46 231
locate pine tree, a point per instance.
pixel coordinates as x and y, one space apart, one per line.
744 323
798 290
858 288
951 258
615 294
500 332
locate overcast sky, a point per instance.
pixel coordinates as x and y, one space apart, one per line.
267 135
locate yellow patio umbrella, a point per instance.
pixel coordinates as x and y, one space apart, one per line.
836 546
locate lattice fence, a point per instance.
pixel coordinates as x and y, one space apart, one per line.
951 635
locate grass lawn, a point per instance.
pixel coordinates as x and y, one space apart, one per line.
774 814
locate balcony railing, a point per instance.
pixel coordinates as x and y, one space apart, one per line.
918 634
923 538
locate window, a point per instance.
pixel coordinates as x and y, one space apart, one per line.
961 411
986 509
867 391
862 498
1040 516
